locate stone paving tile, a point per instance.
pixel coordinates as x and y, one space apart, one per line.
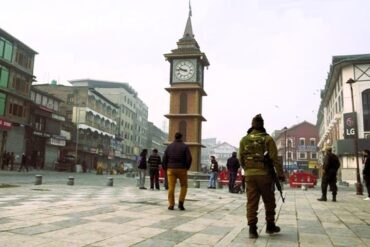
125 216
173 236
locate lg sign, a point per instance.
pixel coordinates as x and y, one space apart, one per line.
349 125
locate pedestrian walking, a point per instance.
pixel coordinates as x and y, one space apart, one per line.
11 160
176 162
232 167
24 163
213 173
4 160
252 151
329 177
366 173
154 161
142 168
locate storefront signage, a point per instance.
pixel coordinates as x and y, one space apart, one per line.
57 142
350 123
58 117
5 125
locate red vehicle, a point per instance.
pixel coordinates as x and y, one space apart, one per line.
223 177
297 179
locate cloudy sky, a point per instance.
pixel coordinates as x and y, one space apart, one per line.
267 56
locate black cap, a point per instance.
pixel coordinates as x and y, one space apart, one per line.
257 121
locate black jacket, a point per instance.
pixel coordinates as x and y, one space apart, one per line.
331 165
154 161
233 164
177 155
366 170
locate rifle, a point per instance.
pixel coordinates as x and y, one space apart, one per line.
270 165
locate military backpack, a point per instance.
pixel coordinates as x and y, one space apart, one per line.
254 149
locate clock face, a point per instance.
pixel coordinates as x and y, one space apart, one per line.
184 70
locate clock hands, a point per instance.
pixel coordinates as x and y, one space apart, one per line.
181 69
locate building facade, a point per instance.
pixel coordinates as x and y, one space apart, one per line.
156 139
44 139
297 146
16 77
94 128
336 118
132 116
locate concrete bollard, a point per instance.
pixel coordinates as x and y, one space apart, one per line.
196 184
219 185
110 181
71 180
38 179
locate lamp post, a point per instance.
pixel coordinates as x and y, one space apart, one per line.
359 188
285 130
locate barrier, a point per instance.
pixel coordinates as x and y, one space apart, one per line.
71 180
38 179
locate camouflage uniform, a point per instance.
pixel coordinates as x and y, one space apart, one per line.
259 181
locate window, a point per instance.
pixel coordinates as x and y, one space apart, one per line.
302 155
23 59
56 106
366 109
20 84
313 155
289 155
289 142
6 49
70 99
2 104
33 96
16 107
312 141
38 99
44 101
301 141
183 103
182 130
4 76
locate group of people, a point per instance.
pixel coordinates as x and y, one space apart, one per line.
176 162
7 160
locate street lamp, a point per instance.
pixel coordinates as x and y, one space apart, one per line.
285 130
359 188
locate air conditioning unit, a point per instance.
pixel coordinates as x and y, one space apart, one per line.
367 135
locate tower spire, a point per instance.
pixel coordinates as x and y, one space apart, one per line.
188 33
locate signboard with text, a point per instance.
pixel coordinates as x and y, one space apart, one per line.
350 123
5 125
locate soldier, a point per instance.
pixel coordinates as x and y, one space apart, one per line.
329 177
253 148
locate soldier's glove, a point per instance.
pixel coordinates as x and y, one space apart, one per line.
282 179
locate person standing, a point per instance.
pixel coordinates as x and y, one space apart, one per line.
213 173
253 149
232 167
24 163
176 162
154 161
142 169
5 160
11 160
329 177
366 173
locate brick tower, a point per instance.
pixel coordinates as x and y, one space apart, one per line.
186 90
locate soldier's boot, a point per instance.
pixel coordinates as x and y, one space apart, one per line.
334 197
253 231
271 228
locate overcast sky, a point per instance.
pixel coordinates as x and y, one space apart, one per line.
267 56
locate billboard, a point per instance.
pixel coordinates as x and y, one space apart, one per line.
350 123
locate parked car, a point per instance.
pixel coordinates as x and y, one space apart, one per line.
66 163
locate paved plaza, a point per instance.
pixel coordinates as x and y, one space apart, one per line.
93 214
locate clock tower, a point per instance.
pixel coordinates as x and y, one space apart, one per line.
187 64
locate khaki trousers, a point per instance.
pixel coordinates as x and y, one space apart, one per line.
172 176
257 186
